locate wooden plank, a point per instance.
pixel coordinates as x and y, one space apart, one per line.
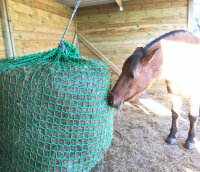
132 15
47 6
38 25
87 52
42 28
10 25
98 53
10 47
25 14
132 27
75 40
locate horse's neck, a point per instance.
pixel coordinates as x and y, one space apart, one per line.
177 58
156 66
179 61
167 67
163 66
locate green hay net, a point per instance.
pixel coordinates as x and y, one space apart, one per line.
53 112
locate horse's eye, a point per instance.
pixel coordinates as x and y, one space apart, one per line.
131 75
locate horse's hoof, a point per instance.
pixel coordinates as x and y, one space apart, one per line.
189 145
171 141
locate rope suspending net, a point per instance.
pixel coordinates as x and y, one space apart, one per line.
53 112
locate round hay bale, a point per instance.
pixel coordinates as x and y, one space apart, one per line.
53 112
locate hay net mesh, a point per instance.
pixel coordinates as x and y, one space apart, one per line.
53 112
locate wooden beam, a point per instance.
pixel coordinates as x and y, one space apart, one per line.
119 3
190 15
10 47
99 54
75 40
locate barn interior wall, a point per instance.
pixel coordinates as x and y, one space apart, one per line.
38 25
2 41
116 34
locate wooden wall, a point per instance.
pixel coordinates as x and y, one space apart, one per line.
2 41
38 25
116 34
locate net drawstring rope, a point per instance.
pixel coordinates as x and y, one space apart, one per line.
61 44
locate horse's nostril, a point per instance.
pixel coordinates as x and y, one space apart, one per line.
110 102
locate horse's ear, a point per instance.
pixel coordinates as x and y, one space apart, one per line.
139 48
148 56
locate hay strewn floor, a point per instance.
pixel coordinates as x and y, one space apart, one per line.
139 137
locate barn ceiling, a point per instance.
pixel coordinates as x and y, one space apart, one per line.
86 3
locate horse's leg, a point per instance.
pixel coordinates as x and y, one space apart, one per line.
193 116
175 109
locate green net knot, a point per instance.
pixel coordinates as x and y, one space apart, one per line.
69 50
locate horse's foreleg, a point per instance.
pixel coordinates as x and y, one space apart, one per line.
175 109
193 116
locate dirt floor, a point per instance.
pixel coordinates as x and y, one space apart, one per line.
138 144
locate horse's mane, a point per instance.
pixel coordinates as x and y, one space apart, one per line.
169 34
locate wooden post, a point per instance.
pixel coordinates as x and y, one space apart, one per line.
190 15
75 40
10 47
99 54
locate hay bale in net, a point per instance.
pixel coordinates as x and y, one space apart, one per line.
53 112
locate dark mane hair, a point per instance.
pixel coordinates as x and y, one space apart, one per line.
135 58
133 61
169 34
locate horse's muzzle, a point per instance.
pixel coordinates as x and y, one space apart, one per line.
110 101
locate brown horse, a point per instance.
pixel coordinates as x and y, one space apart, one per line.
174 56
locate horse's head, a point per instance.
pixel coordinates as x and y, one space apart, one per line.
136 76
